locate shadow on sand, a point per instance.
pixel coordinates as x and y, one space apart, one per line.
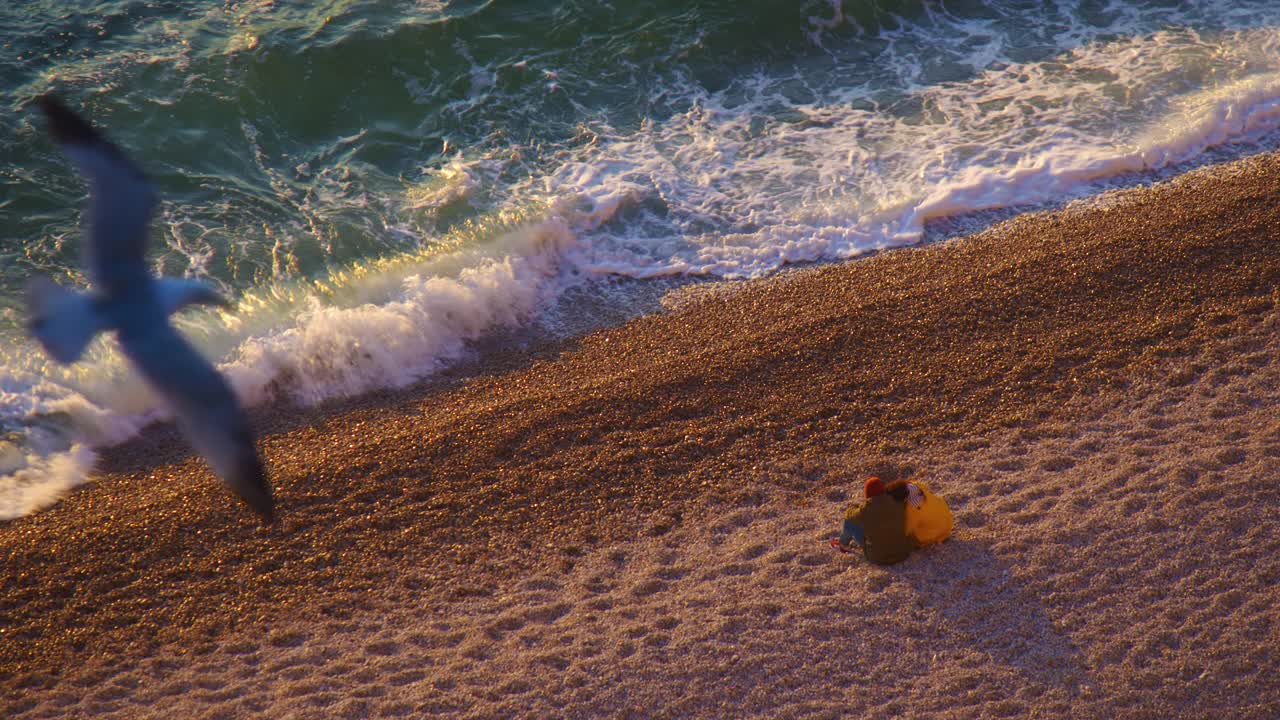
985 607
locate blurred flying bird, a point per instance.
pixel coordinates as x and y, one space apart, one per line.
128 299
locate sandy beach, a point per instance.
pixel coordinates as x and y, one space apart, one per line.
633 524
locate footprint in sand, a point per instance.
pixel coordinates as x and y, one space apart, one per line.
407 677
384 648
1057 463
287 638
649 587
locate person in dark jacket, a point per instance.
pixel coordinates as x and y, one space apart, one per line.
878 526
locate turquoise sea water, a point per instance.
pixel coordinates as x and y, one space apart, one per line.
379 184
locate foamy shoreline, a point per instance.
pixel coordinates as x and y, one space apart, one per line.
631 524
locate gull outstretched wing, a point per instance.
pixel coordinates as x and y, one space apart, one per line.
121 201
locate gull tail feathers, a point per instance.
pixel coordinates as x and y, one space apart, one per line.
241 470
221 433
250 483
64 321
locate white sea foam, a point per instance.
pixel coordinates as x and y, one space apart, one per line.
733 188
406 321
39 480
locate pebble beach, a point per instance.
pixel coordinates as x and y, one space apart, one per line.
633 523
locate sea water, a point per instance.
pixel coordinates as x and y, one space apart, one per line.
380 185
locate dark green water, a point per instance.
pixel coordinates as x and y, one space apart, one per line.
297 123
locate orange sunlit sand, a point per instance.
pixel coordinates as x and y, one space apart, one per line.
635 523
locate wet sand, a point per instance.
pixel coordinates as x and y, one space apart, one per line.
633 523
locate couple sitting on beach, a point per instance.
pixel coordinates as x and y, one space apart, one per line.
897 518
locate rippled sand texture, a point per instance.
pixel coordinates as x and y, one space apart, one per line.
633 524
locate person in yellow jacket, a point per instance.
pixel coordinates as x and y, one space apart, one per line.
929 519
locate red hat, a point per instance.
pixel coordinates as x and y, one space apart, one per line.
874 486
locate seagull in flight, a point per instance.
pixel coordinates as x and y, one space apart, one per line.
128 299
